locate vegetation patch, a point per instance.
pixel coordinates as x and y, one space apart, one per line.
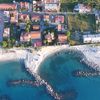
81 22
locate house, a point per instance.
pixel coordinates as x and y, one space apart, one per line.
59 19
24 6
35 17
24 17
37 5
51 1
6 32
61 27
91 38
34 36
51 5
62 38
8 6
13 16
6 16
50 37
97 17
36 27
46 17
25 37
81 8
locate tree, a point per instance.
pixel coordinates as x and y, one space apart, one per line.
68 35
4 44
28 26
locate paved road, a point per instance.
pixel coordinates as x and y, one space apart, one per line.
1 26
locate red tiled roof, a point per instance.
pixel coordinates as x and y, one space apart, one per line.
8 6
36 27
35 35
24 16
62 37
35 17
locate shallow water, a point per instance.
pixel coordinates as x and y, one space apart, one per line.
13 70
57 71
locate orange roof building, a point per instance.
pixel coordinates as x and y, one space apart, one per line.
62 38
36 27
8 6
35 17
35 35
24 17
46 17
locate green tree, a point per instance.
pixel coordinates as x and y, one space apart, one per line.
68 33
28 26
4 44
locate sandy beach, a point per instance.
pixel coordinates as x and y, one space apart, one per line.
12 54
92 55
33 60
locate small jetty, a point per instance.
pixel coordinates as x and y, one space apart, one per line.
23 82
82 73
34 83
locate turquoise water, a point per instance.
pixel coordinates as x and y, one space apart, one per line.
57 71
13 70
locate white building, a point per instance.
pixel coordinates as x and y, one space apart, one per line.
81 8
51 5
91 38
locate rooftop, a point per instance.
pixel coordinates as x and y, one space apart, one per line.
8 6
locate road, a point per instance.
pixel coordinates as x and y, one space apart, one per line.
1 26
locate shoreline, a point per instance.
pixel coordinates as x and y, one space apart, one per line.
33 60
89 58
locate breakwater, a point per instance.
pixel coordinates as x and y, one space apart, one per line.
90 64
32 64
81 73
23 82
49 88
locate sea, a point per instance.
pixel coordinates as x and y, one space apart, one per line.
57 70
